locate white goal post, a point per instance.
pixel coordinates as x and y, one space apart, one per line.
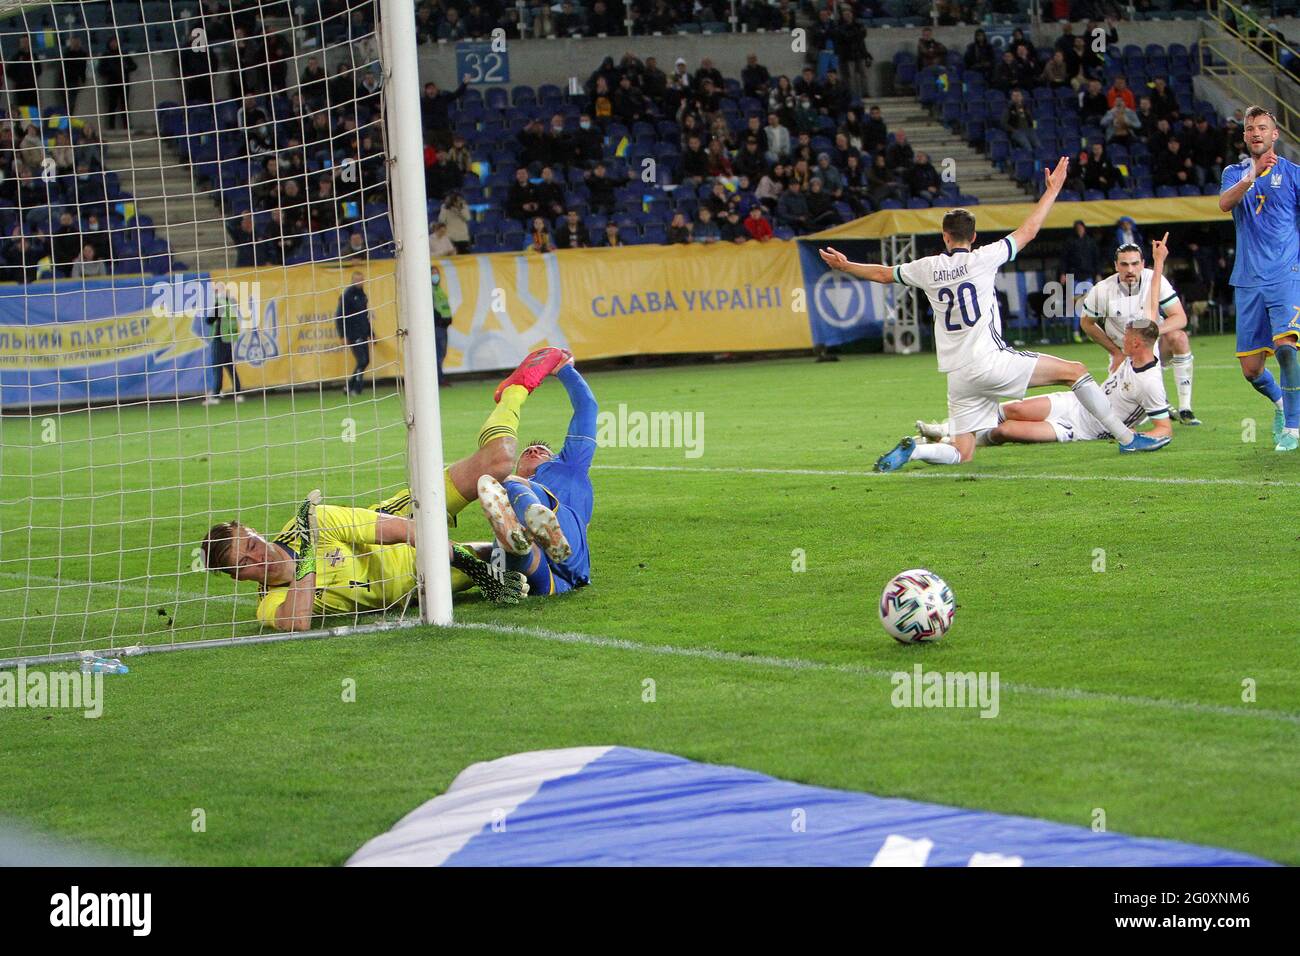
186 203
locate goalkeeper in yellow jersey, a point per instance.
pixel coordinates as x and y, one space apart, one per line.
332 559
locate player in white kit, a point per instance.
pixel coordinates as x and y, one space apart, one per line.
1113 301
982 370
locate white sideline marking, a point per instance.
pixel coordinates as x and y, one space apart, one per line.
803 664
955 475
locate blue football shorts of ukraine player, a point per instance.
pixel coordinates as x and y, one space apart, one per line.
540 513
1263 194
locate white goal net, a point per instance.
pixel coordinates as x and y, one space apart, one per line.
202 313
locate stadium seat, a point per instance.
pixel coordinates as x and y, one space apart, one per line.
1166 192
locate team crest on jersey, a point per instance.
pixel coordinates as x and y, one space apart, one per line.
1276 180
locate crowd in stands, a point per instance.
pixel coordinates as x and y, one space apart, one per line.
648 155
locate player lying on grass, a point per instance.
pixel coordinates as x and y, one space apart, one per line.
1263 194
1112 302
1135 390
982 370
363 559
540 513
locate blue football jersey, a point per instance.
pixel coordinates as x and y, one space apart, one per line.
1268 224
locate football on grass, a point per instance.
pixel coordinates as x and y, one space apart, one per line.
917 607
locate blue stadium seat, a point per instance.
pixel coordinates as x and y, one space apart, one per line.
1166 192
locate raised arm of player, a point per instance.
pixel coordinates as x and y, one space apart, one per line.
580 442
1028 229
1232 195
1159 253
863 270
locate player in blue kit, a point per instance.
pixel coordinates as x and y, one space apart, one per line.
1263 194
540 513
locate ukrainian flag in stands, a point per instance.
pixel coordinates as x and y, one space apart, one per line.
481 169
126 210
621 149
59 122
29 113
46 40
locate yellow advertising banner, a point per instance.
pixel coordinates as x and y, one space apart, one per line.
639 300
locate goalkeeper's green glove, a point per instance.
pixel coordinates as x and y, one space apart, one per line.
304 531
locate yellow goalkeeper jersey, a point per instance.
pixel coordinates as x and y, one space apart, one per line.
353 572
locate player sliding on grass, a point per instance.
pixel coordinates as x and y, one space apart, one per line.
982 370
1135 390
1263 194
331 559
1114 301
540 513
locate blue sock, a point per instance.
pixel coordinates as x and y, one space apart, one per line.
521 496
1289 361
1266 386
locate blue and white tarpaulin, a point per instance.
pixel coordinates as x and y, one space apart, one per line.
617 806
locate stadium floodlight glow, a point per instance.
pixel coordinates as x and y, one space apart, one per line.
119 452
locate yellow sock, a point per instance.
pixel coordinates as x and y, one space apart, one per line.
504 420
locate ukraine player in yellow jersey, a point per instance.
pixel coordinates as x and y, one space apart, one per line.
331 559
1263 194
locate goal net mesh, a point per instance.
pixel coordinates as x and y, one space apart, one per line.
196 239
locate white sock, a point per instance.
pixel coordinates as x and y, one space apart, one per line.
982 439
1094 400
1183 379
1293 432
1278 403
937 453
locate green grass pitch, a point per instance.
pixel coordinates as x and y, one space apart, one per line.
1122 691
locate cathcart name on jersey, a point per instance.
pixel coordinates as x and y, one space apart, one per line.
705 300
949 275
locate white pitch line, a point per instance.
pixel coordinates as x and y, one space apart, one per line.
955 475
802 664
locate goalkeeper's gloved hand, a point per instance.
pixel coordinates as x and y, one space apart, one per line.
304 532
499 587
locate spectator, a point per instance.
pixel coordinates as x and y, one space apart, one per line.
313 84
1121 134
539 239
557 144
654 83
1119 91
1027 68
441 322
21 70
1006 75
1093 104
899 153
72 68
756 224
455 214
1145 114
440 243
929 51
776 139
732 228
533 145
588 144
550 195
705 230
1207 146
1086 64
601 104
1119 112
572 234
695 161
352 321
435 107
835 97
1080 259
875 135
1126 231
679 230
770 187
923 179
1101 173
630 104
754 78
1056 72
601 189
855 186
981 57
522 200
1163 103
719 165
881 183
1018 121
115 69
1172 168
611 235
750 161
821 207
792 208
850 38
